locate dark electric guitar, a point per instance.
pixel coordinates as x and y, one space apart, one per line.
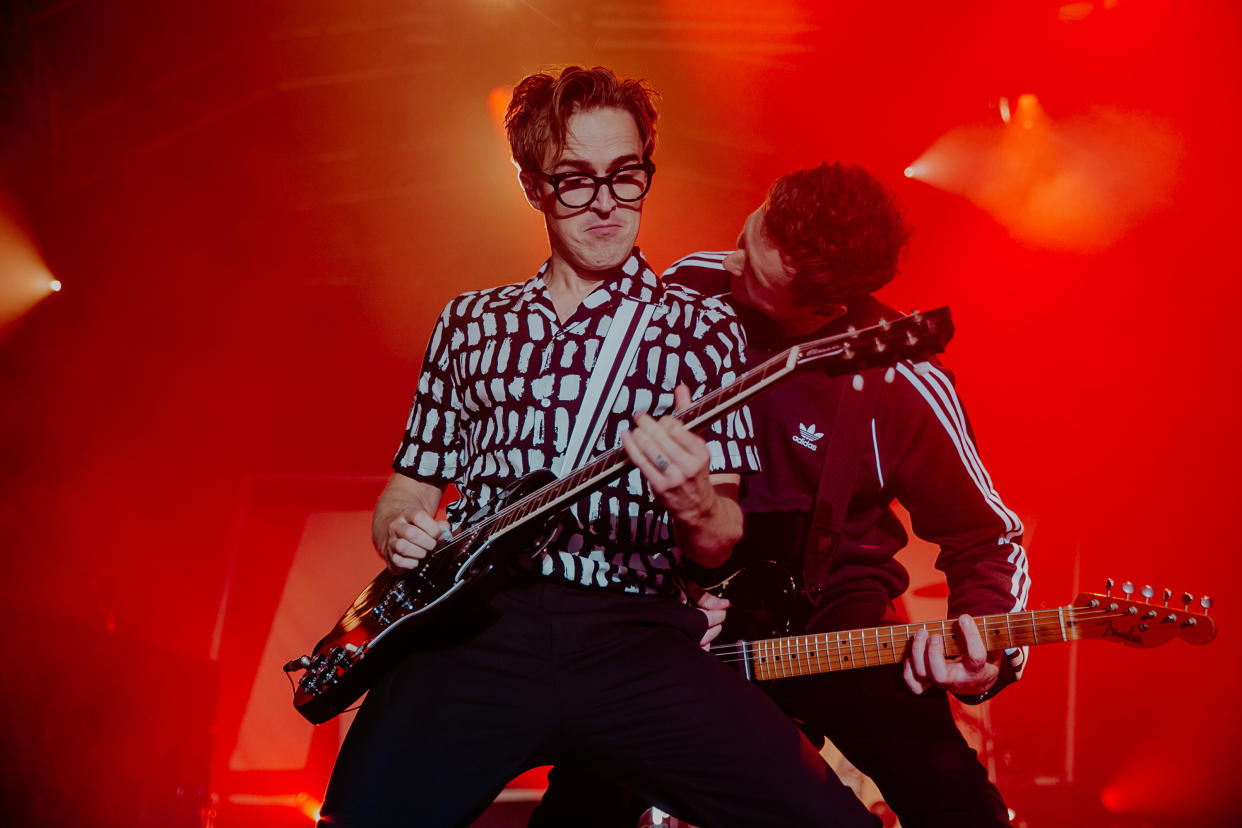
398 612
1090 616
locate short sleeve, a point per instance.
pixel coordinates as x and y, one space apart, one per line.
431 448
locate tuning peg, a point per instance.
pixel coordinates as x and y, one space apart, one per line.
1206 603
884 324
852 331
911 339
1186 599
1128 588
917 316
880 346
1147 592
1168 593
1108 587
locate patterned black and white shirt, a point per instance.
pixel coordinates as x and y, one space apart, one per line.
499 392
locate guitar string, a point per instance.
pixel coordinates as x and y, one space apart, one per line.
603 463
1047 617
1050 621
775 365
806 652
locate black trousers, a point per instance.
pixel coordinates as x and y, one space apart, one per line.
614 683
909 745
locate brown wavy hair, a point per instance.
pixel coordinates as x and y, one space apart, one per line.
539 111
839 231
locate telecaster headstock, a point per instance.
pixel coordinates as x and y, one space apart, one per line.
1144 623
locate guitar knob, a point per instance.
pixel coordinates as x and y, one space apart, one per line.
857 382
300 663
890 375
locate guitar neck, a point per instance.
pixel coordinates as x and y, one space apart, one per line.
697 416
854 350
814 653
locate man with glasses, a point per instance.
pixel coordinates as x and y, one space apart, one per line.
590 655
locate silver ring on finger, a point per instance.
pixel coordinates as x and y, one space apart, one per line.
661 463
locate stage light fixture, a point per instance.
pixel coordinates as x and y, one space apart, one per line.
54 285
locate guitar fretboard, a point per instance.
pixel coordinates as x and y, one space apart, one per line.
582 480
805 655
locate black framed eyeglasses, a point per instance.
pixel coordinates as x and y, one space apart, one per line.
578 189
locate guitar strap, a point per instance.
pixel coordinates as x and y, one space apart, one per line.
620 346
842 457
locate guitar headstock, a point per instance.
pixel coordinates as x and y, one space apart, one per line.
1145 623
913 336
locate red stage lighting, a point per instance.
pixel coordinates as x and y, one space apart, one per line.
26 278
1074 183
309 806
497 103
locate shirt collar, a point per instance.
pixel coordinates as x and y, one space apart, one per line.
633 279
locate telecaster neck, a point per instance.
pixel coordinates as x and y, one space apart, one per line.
806 655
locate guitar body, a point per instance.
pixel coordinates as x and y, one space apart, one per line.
397 614
763 596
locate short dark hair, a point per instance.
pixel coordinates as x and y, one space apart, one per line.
838 230
539 111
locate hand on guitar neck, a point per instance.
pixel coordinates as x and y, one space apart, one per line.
925 665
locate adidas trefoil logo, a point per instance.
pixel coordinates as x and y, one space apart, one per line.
807 436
